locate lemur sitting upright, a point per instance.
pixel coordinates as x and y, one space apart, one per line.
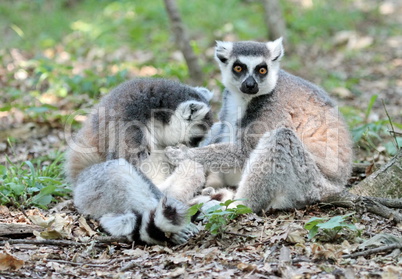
280 139
118 156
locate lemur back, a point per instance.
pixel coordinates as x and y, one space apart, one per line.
111 163
282 134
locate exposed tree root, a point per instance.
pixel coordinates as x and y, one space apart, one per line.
379 206
371 195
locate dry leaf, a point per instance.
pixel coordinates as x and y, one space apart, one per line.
41 221
4 210
328 251
8 261
57 226
84 225
296 234
177 272
246 267
135 253
391 272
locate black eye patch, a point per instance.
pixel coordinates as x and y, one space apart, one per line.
261 69
238 68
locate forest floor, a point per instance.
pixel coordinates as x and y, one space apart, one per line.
271 246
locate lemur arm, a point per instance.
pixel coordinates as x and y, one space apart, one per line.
219 156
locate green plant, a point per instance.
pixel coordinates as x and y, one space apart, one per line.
24 185
369 134
329 230
219 216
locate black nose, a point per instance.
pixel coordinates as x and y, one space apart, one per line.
249 86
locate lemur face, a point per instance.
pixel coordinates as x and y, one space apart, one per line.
189 123
249 68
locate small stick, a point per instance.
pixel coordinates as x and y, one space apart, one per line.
101 241
373 251
128 266
242 235
392 126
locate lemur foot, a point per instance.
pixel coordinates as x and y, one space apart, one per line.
184 235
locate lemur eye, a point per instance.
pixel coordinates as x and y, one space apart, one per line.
238 68
262 71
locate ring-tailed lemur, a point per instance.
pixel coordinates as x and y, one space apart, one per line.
120 149
280 138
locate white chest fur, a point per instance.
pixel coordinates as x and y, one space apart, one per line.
234 109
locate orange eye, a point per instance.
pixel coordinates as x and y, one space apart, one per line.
238 68
262 71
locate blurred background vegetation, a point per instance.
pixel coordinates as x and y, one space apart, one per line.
58 56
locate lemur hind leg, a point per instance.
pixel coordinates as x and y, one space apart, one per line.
281 174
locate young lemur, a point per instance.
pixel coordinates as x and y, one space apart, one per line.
279 139
117 165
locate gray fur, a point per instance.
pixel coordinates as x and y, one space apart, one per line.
249 48
144 96
289 143
127 132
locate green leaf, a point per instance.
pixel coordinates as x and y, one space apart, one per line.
227 203
3 171
242 209
17 188
41 109
45 196
6 108
332 223
313 222
32 175
213 208
370 106
312 232
194 209
42 200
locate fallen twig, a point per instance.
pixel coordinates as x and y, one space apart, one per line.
240 234
44 242
100 241
128 266
373 251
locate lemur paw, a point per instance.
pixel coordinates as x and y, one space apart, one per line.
176 155
184 235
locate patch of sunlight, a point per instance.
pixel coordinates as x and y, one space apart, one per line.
120 10
87 28
82 26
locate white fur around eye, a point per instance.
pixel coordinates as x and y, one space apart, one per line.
251 62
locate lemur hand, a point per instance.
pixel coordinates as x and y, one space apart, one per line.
177 154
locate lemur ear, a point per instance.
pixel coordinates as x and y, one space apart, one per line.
205 93
276 49
192 110
222 51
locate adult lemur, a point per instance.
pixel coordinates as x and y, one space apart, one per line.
280 138
120 149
